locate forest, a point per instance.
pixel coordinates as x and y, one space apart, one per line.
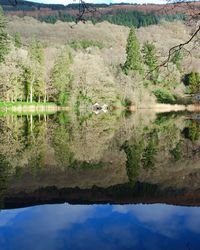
23 75
33 71
120 17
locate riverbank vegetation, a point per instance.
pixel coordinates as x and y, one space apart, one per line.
79 66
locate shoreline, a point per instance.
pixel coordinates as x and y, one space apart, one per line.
158 107
33 108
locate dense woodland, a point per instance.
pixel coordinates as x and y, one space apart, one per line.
27 76
120 17
22 72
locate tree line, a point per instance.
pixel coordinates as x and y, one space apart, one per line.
119 17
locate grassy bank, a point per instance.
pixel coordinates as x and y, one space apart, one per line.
23 107
25 104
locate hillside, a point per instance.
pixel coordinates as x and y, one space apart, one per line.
100 65
79 64
173 8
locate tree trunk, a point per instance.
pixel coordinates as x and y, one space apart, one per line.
31 91
31 123
45 95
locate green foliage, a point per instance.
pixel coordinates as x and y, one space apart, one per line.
130 18
176 152
120 17
63 98
126 102
4 40
192 80
63 118
61 77
18 41
54 18
16 104
84 44
193 131
177 58
150 151
36 50
134 156
133 59
149 53
164 96
27 77
60 143
163 119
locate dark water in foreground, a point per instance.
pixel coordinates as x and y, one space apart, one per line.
142 161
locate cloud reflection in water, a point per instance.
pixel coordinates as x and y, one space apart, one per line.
109 227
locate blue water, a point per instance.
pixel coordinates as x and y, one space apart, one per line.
105 227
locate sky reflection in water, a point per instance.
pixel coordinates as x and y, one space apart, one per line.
100 227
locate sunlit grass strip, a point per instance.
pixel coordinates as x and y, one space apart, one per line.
15 104
24 113
29 108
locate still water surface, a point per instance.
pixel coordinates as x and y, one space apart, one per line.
100 227
142 161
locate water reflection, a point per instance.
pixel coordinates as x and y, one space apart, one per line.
61 154
101 227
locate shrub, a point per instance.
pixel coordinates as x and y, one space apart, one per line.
192 81
63 98
164 96
126 102
176 152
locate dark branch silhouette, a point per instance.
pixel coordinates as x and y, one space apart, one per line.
179 47
85 9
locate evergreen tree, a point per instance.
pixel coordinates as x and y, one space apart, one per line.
37 87
133 59
28 78
194 81
18 42
36 50
176 59
150 60
61 77
4 41
193 131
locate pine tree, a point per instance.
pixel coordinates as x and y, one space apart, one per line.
194 82
18 42
61 77
150 60
4 41
36 51
133 60
176 59
33 72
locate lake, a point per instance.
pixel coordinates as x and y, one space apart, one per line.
114 180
